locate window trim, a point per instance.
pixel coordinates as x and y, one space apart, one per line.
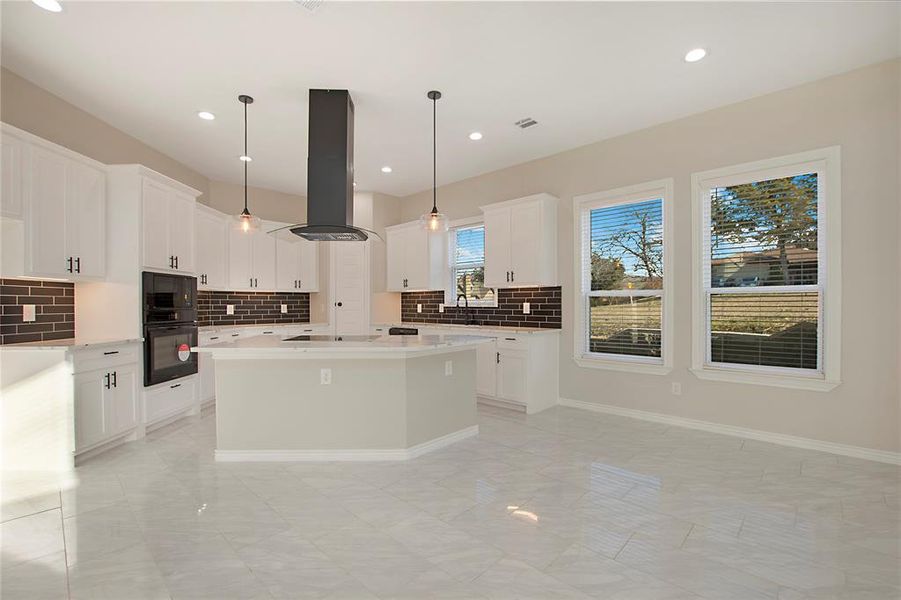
828 162
450 292
660 188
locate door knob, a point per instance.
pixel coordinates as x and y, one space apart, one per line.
339 304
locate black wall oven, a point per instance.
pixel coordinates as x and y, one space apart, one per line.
170 327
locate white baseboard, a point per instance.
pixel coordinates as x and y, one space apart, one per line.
782 439
345 455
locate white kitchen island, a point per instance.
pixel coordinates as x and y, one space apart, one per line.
320 398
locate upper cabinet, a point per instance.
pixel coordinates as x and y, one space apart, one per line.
417 259
297 263
521 242
211 248
168 227
59 197
251 260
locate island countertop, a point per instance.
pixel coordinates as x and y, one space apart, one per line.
365 346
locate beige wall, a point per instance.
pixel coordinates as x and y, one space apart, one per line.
857 110
267 204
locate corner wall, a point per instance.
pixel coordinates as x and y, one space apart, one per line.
859 111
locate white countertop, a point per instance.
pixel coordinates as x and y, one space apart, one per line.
485 329
395 346
73 344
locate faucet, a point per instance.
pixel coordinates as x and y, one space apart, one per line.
466 311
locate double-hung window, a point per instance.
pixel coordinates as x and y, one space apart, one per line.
467 266
622 306
766 305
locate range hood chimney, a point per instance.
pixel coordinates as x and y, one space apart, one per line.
330 170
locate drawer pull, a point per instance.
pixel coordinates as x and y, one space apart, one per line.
235 334
266 332
172 387
214 337
510 339
110 352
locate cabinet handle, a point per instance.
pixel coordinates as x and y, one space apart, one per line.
497 357
110 352
78 264
69 267
214 338
512 276
508 276
235 334
256 282
251 282
266 332
115 379
172 387
171 262
106 383
510 339
176 262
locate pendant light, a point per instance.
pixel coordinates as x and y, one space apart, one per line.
434 221
245 221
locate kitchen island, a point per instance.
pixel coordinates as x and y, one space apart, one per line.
322 398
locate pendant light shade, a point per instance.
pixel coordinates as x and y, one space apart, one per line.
434 221
245 221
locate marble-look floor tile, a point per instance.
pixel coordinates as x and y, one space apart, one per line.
42 578
27 538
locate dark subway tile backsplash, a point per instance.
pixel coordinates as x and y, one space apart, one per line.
54 310
544 302
252 308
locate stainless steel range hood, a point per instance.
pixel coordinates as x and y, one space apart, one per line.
330 170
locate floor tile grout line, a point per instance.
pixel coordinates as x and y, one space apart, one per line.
62 525
38 512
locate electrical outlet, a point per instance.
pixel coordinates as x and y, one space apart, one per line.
325 376
677 388
441 308
526 308
419 308
448 367
284 309
28 313
229 309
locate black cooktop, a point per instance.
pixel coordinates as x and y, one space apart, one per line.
332 338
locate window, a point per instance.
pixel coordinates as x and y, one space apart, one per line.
766 305
467 254
622 308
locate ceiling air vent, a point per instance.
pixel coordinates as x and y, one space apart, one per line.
526 123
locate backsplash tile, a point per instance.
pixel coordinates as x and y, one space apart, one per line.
54 308
545 306
252 308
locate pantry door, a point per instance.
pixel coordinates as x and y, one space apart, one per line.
350 287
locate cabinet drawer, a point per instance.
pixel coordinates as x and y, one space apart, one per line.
512 342
168 399
105 357
205 339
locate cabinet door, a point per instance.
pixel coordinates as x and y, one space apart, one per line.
525 233
239 259
395 242
211 250
91 401
47 182
155 219
12 178
416 258
287 261
123 410
309 266
497 248
263 261
181 231
486 369
511 375
86 219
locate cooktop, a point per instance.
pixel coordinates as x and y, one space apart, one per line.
332 338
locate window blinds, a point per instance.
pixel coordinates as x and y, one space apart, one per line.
762 279
469 263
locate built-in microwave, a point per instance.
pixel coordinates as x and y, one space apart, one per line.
169 298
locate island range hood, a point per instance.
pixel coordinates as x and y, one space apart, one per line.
330 170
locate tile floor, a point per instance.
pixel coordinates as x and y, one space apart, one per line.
563 504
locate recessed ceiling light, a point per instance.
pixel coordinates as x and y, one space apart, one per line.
245 158
695 55
386 169
49 5
475 135
206 116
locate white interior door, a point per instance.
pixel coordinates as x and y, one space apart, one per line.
350 285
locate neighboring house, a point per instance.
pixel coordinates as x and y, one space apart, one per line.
754 268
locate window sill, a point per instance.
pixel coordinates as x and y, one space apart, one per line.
625 366
785 381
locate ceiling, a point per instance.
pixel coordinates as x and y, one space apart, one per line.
584 71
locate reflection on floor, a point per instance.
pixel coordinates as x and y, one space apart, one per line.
563 504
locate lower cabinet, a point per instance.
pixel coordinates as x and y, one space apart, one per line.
512 375
106 398
487 360
169 399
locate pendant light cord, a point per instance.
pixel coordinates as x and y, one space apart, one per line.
434 154
245 156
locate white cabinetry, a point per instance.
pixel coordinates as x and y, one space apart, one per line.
211 246
486 369
297 263
168 227
105 395
251 260
170 400
417 259
521 242
59 198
